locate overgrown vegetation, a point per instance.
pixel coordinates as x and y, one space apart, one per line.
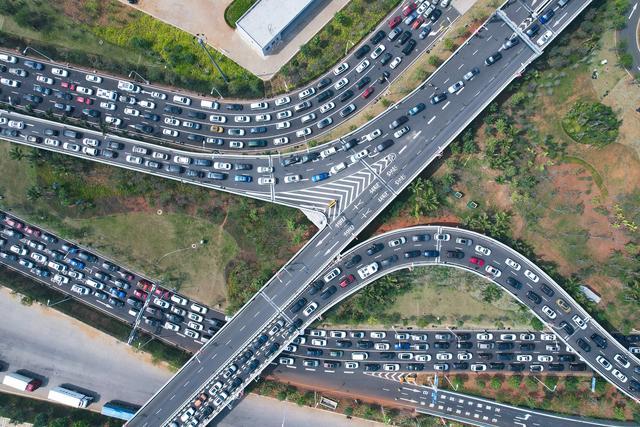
592 123
109 36
354 22
235 10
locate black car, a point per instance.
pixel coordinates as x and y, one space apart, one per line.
463 336
323 83
9 132
196 115
388 355
485 356
384 77
634 385
441 345
344 344
527 346
567 327
533 30
346 95
388 261
295 325
91 113
260 341
534 297
558 367
516 367
34 65
234 107
496 366
505 357
415 367
363 82
371 367
364 344
309 157
64 95
435 15
413 254
172 109
375 248
328 292
578 366
455 254
409 47
353 261
258 129
33 98
272 349
323 96
566 358
175 318
316 287
504 346
143 128
298 305
493 59
377 38
246 356
465 345
405 37
349 144
290 161
460 365
547 290
150 116
253 365
599 340
386 58
514 283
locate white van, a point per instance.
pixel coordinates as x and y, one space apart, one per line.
368 270
328 152
212 105
337 168
359 355
128 86
259 106
107 94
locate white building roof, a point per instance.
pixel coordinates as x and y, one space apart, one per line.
268 18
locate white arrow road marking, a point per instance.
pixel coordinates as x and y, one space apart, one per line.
635 6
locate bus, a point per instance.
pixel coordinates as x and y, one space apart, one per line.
116 410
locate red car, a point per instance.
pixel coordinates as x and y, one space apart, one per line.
393 22
367 93
83 100
477 261
162 293
408 9
127 276
14 223
140 294
145 285
416 24
347 280
33 231
68 85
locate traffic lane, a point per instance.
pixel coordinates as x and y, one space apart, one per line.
123 280
517 11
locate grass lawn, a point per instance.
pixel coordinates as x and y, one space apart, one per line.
235 10
112 37
116 212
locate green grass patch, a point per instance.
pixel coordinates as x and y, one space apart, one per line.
110 36
597 178
591 123
235 10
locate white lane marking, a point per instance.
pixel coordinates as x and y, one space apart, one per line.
446 105
414 137
635 6
460 91
475 51
431 119
403 148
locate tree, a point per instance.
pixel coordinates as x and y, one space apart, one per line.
424 197
491 293
435 61
536 324
34 193
16 153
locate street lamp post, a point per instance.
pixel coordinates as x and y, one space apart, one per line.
201 40
24 52
56 303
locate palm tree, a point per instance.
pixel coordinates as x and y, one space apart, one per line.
501 224
16 153
34 193
34 156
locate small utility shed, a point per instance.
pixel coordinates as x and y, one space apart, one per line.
265 23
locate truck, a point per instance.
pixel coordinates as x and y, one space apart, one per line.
69 397
116 410
21 382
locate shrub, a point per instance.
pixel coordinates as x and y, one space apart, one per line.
591 123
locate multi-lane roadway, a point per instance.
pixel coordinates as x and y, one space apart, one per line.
213 124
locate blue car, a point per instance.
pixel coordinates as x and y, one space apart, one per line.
320 177
118 293
415 110
243 178
547 17
77 264
431 254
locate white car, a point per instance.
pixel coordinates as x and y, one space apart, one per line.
493 271
547 337
199 309
579 322
401 131
549 312
16 124
170 132
236 144
263 118
340 69
359 155
531 276
422 358
52 142
182 160
377 51
337 168
527 337
508 337
455 87
545 358
84 90
195 325
161 303
391 367
552 347
171 326
78 289
397 242
327 107
351 365
283 125
604 363
465 356
172 121
193 316
60 280
182 100
59 72
303 132
544 38
373 135
242 119
283 114
131 111
19 250
402 336
224 166
443 237
320 342
341 83
405 356
286 361
93 78
71 147
176 298
362 66
317 333
108 105
483 250
524 358
396 61
306 93
291 348
9 82
622 360
484 336
310 309
282 101
133 159
39 258
338 334
444 356
147 104
192 334
266 180
292 178
478 367
164 156
378 335
158 95
45 80
265 169
511 263
619 375
381 346
419 337
281 141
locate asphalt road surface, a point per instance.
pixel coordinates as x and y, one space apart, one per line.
630 34
277 125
